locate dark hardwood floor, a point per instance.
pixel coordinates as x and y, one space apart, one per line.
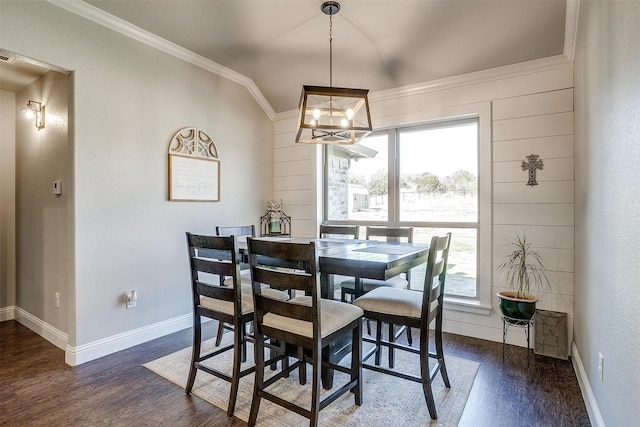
38 389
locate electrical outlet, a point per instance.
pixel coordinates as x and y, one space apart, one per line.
601 366
131 298
56 299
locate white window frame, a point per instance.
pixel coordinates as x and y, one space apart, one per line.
481 303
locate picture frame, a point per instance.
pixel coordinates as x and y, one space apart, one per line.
194 179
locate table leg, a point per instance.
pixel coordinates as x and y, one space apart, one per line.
357 289
326 286
326 291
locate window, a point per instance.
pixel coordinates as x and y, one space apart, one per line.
421 176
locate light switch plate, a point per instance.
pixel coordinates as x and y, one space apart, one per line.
57 188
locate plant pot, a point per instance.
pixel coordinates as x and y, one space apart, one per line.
517 308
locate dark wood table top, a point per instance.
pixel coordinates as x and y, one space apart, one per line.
367 259
363 258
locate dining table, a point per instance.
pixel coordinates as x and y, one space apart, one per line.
361 259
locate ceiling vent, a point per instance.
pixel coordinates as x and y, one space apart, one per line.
7 57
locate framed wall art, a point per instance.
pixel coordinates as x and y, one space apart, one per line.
194 167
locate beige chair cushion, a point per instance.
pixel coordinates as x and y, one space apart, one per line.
401 302
334 315
246 295
371 284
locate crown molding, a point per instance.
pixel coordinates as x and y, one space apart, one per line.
477 77
100 17
507 71
571 28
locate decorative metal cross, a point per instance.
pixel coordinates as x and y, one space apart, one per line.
533 164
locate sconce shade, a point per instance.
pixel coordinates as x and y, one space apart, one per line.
28 112
333 115
35 109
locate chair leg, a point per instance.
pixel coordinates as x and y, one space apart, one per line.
368 327
195 354
238 348
259 378
220 332
440 353
424 374
392 338
378 339
302 369
409 337
315 386
356 362
243 342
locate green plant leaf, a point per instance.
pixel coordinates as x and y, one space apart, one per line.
524 267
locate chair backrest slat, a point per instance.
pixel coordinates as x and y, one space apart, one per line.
283 308
240 230
215 291
214 266
339 231
282 278
392 234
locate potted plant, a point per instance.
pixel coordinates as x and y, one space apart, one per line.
523 268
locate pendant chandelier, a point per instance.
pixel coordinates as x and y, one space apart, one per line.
333 115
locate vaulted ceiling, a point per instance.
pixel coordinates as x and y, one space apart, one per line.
377 45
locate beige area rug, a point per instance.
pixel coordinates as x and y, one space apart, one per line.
386 400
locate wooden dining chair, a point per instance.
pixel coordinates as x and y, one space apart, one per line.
211 256
305 324
390 234
414 309
239 231
348 287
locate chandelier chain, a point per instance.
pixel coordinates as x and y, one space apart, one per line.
331 50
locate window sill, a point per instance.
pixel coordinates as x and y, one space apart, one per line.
466 305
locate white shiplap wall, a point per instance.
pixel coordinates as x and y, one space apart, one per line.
542 124
531 111
294 175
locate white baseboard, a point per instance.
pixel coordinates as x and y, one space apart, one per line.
587 394
84 353
7 313
94 350
54 335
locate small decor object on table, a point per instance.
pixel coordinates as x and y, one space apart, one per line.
275 222
275 211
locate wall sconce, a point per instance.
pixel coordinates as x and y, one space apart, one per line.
35 109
